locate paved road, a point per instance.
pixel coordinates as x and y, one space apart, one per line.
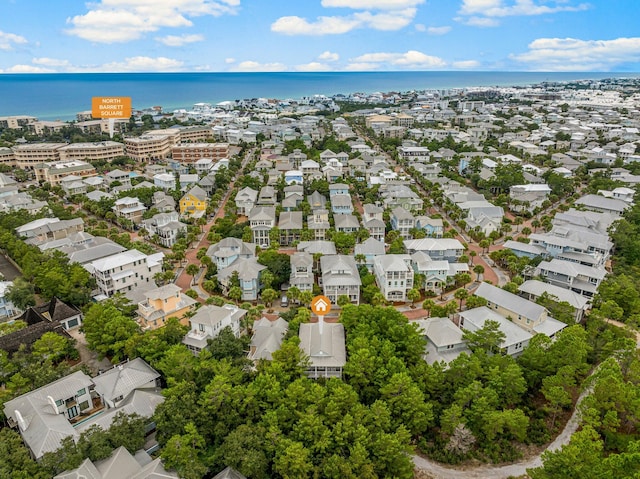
8 270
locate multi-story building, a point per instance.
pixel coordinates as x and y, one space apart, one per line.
124 271
192 134
209 321
340 277
7 309
7 157
166 226
31 154
129 208
402 221
148 147
54 172
301 271
192 152
262 219
163 303
102 150
394 275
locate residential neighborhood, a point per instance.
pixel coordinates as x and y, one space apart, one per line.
448 231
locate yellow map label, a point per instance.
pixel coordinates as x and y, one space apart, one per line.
111 107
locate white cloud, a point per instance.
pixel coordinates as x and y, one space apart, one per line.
51 62
313 67
507 8
323 26
142 64
571 54
180 40
387 15
113 21
253 66
439 30
463 64
229 60
408 60
479 21
420 27
372 4
329 56
27 69
9 40
361 67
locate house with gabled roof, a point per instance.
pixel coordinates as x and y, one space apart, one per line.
227 250
574 276
194 202
163 303
444 340
318 222
72 404
301 271
534 289
346 223
245 200
267 338
262 219
340 277
249 271
207 323
324 345
290 226
394 275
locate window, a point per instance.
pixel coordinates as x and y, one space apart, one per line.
84 405
200 327
82 392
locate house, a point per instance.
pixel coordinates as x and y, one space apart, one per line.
394 276
534 289
267 196
340 277
121 464
516 339
435 272
227 250
601 204
73 185
338 189
401 195
74 403
524 313
346 223
194 202
317 247
249 271
373 222
528 197
318 222
574 276
118 178
301 271
444 340
267 338
166 226
163 202
207 323
402 221
163 303
54 311
290 226
341 204
229 473
129 208
433 227
124 271
368 250
309 167
166 181
486 219
317 201
447 249
293 177
324 345
262 219
43 230
7 309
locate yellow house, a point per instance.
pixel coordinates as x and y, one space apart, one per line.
194 201
163 303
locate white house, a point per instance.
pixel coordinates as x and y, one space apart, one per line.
394 275
209 321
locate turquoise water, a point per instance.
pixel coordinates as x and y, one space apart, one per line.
61 96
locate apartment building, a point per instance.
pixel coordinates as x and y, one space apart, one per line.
54 172
192 152
101 150
31 154
148 147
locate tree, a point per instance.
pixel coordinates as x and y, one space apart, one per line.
267 278
488 338
269 295
292 460
306 297
413 295
428 305
21 294
182 453
192 270
478 270
51 346
15 461
343 300
107 330
235 293
461 295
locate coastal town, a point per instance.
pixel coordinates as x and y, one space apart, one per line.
362 285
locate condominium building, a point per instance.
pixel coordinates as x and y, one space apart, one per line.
192 152
102 150
54 172
148 147
29 155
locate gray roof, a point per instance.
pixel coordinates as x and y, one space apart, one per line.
509 301
339 270
123 379
370 246
247 268
513 334
301 258
600 202
441 331
400 213
198 193
262 213
346 221
229 473
326 349
290 220
211 314
231 246
525 247
267 337
341 200
572 269
319 246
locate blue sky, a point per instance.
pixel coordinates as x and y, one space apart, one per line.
318 35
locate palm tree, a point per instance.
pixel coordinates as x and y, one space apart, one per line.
192 270
428 305
461 295
478 270
413 295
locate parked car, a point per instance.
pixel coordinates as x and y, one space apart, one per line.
284 302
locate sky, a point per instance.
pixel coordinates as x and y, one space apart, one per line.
318 35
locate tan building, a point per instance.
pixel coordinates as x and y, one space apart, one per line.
16 122
54 172
172 133
102 150
193 134
101 126
148 147
32 154
7 157
163 303
192 152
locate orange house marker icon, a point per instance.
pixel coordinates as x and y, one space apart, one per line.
320 305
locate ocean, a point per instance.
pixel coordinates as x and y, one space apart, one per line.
61 96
